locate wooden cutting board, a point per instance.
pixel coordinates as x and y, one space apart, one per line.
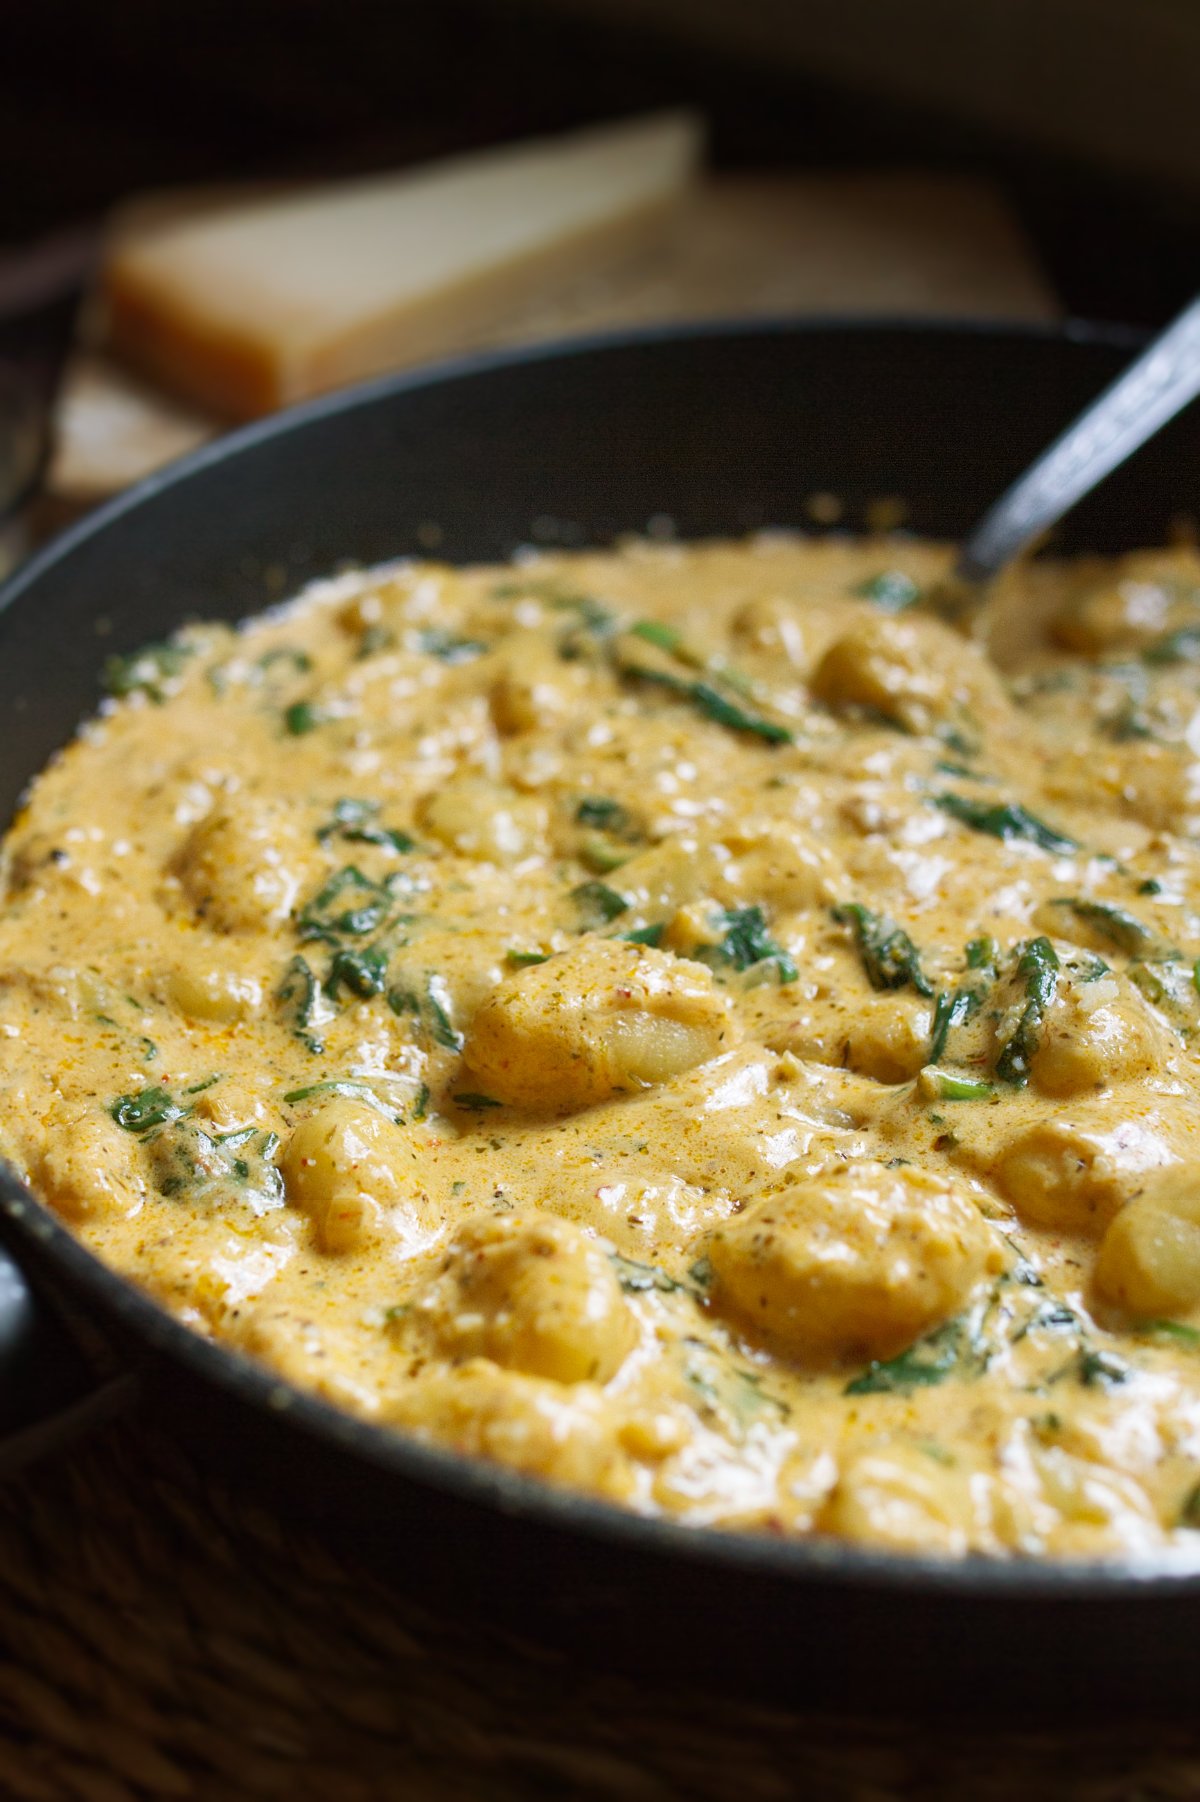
895 243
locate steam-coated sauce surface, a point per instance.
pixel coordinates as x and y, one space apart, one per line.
683 1022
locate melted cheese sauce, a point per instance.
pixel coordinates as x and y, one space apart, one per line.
684 1022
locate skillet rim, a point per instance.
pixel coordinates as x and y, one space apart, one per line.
24 1220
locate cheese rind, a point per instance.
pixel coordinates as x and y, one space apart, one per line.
250 309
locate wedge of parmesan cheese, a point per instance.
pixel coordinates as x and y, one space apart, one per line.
248 309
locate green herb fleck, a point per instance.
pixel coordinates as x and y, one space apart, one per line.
475 1103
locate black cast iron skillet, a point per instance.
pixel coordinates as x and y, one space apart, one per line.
721 430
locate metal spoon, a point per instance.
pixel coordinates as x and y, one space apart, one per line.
1155 387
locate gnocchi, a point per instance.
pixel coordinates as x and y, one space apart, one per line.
681 1022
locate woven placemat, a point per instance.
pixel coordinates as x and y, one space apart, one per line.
162 1637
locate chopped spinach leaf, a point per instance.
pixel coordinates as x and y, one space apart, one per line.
350 1089
218 1170
364 972
475 1103
300 996
592 615
716 707
522 960
357 821
149 1108
711 703
701 1273
303 717
953 1007
638 1279
747 945
147 671
644 935
374 639
889 957
1004 821
728 1389
605 814
1037 969
1171 1329
891 590
1112 923
432 1009
289 654
598 904
1181 646
437 1000
326 916
948 1351
603 854
654 631
982 954
1102 1369
449 649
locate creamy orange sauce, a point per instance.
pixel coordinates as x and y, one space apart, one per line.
684 1022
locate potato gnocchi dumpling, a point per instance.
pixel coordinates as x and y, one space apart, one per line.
684 1022
855 1260
533 1293
603 1019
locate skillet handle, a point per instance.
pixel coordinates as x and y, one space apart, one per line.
52 1390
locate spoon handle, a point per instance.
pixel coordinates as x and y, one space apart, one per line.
1152 390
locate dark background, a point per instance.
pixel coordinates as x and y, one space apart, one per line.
99 100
